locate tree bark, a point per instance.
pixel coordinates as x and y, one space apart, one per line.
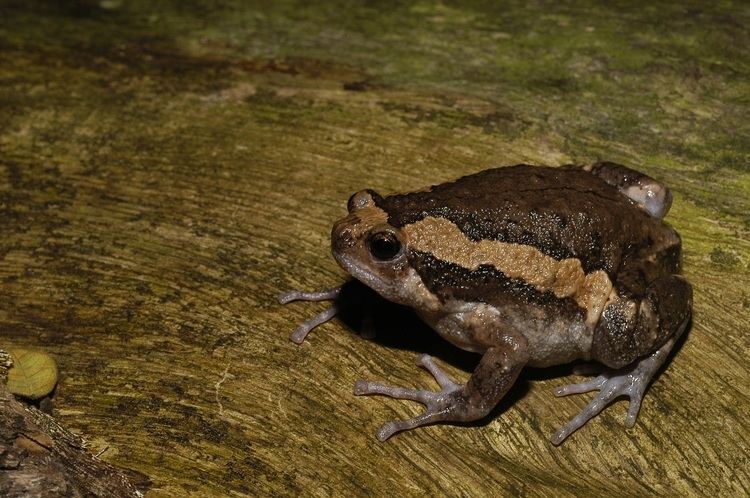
40 458
168 168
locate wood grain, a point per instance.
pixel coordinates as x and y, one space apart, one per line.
40 458
166 171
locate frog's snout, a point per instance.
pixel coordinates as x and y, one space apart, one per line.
342 234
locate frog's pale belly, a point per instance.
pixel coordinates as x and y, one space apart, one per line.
452 327
552 339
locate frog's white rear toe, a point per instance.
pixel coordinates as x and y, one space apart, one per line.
631 381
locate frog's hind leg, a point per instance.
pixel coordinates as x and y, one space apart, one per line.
673 297
649 194
299 334
627 382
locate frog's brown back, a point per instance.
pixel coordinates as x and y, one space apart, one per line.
562 212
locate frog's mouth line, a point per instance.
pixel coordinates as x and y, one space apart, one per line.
366 277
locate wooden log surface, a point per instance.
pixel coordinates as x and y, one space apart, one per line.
39 458
167 170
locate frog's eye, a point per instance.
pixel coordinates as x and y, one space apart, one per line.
384 245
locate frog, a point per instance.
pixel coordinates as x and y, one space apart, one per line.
528 266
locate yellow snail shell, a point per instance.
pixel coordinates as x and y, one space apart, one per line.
33 374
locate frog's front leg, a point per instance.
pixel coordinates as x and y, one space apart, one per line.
493 377
299 334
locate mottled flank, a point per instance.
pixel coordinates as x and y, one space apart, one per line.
450 281
168 168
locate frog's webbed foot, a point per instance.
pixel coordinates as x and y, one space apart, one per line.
440 404
299 334
631 381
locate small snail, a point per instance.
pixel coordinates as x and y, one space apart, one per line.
33 374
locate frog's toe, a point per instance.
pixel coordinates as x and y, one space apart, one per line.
439 403
296 295
611 386
581 387
390 428
304 328
631 382
364 387
429 364
299 334
436 404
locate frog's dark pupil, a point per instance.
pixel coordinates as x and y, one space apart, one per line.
384 246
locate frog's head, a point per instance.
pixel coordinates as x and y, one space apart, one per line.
372 250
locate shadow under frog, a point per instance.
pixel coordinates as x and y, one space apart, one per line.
364 312
526 266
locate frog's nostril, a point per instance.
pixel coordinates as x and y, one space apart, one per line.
342 237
